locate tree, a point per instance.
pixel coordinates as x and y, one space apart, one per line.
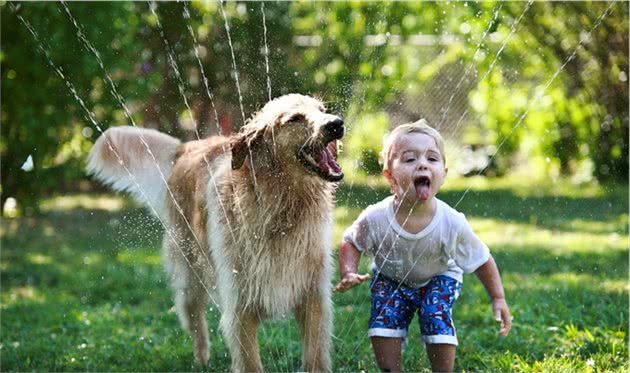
486 67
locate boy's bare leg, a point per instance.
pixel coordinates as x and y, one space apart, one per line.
387 352
441 356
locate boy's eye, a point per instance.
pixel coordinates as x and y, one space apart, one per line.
433 159
409 160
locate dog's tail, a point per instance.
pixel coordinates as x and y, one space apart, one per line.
135 160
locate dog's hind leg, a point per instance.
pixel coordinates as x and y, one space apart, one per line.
190 286
191 308
241 331
314 318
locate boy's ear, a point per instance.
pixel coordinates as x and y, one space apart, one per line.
387 175
390 180
445 170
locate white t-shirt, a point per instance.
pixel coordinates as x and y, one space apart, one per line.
447 246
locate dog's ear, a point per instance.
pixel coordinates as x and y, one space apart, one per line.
239 151
243 144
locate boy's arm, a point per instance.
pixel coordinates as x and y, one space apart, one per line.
489 276
348 263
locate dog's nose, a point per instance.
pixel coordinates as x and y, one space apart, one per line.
334 129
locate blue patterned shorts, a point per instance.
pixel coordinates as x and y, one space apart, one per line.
394 304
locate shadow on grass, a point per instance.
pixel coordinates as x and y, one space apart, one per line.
84 290
542 306
82 252
530 259
503 204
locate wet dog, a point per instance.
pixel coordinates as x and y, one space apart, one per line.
249 215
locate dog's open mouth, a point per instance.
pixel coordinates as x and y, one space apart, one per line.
423 187
322 161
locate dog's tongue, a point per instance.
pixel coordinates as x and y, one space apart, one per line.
422 191
327 162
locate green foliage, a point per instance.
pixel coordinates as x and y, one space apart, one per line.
544 82
364 142
39 113
577 55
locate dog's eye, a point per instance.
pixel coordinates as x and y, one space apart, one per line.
297 117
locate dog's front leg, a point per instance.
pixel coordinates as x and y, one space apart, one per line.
314 318
243 341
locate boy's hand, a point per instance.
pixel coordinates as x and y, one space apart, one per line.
350 280
502 314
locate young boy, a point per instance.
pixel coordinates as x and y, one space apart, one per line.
420 246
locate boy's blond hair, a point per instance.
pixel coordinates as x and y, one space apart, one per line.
420 126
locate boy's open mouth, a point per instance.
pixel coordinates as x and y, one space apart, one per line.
423 187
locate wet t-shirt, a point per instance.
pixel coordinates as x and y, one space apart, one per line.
446 246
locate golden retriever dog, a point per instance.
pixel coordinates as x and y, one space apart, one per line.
249 215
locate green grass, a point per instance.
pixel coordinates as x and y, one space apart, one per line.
83 288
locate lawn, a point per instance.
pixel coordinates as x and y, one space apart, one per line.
83 288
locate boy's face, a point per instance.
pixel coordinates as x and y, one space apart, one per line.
417 169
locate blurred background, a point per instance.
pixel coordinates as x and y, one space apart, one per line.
539 88
531 97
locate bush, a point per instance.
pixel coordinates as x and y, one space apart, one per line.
365 140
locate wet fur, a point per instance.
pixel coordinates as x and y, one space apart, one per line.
246 219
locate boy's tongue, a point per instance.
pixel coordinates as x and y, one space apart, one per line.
422 191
